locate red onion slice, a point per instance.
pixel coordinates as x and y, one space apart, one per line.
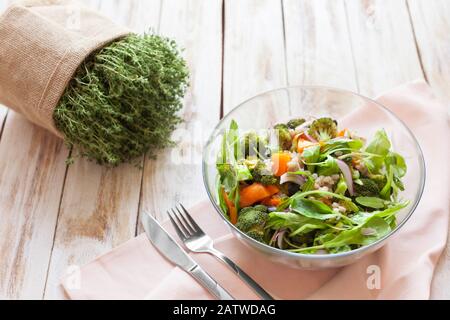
277 235
291 177
309 137
347 175
280 238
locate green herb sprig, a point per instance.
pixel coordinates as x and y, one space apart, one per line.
123 100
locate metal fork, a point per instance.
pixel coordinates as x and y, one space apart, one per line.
197 241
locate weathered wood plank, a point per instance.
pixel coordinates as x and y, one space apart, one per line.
99 206
318 50
139 15
431 25
176 175
32 168
98 212
254 57
383 44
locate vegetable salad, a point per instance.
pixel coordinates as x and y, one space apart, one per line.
310 187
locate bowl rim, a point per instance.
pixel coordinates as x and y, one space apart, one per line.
294 255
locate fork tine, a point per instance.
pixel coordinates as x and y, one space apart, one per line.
186 223
193 223
176 227
181 225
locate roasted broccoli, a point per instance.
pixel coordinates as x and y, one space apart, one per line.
262 174
253 145
367 188
252 220
323 129
379 179
227 173
294 123
284 136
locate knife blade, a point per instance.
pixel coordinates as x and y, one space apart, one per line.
170 249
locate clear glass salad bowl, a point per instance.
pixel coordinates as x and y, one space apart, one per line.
360 114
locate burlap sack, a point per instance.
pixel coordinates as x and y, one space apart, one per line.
41 46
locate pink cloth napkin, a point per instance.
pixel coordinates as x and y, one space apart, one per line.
405 265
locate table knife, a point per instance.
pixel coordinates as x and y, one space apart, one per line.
169 248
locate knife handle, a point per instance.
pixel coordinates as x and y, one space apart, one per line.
210 284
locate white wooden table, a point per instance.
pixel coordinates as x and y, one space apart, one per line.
54 216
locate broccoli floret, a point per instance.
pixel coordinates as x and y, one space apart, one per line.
379 179
250 162
323 129
368 188
252 220
294 123
258 207
252 144
227 173
268 180
284 136
258 235
262 174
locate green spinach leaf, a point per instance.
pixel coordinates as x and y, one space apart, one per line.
313 209
341 144
311 155
397 163
380 146
371 202
378 229
328 167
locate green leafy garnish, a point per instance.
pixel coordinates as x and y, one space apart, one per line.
380 146
123 100
311 155
371 202
312 209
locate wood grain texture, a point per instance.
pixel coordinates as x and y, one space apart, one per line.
383 44
176 175
254 53
318 50
98 212
139 15
99 206
431 24
32 168
430 20
53 219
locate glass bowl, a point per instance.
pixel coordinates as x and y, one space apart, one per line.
351 110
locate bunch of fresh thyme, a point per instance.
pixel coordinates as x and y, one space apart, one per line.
123 100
